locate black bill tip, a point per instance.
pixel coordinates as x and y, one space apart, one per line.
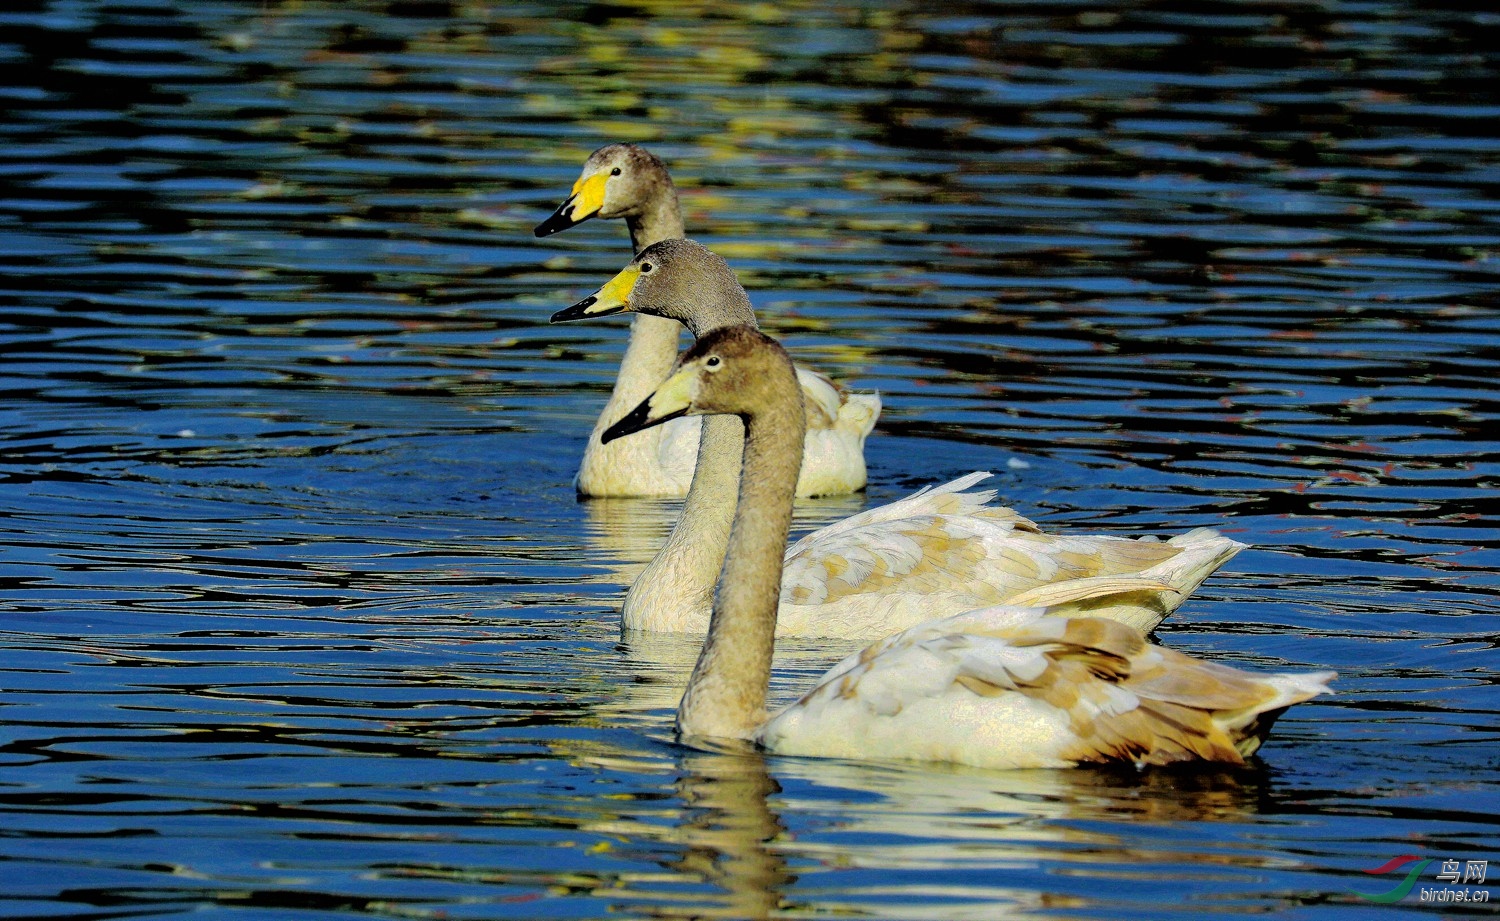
580 311
634 421
561 219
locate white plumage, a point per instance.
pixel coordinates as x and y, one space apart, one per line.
1011 687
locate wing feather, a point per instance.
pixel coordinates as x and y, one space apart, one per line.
1012 687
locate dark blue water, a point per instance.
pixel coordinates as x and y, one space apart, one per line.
299 614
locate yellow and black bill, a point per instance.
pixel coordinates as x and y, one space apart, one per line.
585 201
611 299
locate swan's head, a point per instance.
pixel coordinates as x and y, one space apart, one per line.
617 181
677 279
736 370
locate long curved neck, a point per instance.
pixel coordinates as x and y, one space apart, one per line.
682 575
726 695
727 306
680 578
649 357
660 218
653 340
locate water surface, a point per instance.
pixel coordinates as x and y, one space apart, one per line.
301 616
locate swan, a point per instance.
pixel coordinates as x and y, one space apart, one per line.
940 551
626 181
999 687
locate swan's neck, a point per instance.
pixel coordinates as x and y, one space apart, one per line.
728 305
726 695
653 340
649 357
675 590
659 219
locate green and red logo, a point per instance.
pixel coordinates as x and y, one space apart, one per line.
1403 888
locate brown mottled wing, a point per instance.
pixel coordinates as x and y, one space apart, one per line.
1145 703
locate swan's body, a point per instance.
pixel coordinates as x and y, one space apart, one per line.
1009 687
939 552
1000 687
625 181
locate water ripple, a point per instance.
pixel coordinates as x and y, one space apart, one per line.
298 601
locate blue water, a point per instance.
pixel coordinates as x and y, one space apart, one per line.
300 615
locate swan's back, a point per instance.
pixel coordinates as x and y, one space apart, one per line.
1013 688
945 549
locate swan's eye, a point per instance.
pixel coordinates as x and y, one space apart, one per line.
645 267
615 171
712 362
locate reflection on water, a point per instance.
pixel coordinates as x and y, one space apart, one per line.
301 615
729 838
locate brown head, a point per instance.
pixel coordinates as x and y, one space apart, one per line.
736 370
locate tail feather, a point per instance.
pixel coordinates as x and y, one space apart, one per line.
858 413
1085 589
1250 726
1202 551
